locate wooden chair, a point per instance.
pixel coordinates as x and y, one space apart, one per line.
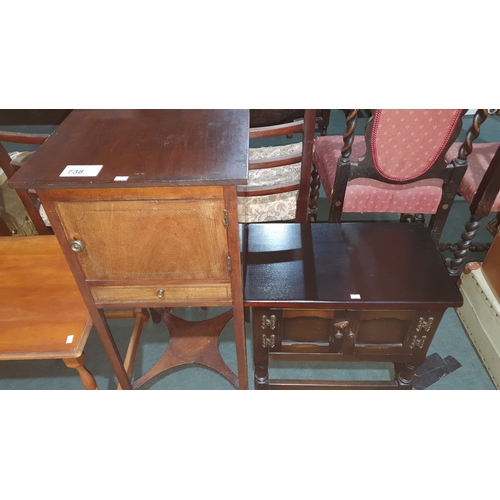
398 166
42 313
10 163
23 209
279 177
480 187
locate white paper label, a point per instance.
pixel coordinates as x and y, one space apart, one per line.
81 171
355 296
69 339
121 178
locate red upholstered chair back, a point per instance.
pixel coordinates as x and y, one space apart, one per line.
405 144
398 166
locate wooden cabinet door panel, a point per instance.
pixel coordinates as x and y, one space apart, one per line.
148 239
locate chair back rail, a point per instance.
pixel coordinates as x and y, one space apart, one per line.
294 179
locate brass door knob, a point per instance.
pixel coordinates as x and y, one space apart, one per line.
77 246
161 294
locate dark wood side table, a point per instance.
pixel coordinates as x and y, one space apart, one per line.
156 226
344 292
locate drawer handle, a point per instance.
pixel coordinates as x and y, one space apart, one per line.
77 246
161 294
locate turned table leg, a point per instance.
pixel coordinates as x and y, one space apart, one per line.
260 356
86 377
404 375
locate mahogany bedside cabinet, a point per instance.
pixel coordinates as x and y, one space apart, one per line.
143 204
359 291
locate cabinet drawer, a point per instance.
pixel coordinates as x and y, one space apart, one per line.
167 294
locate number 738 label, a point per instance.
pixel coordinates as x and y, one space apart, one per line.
81 171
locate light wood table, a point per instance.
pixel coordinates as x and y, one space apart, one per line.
42 313
156 226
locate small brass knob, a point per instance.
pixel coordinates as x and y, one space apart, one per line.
161 294
77 246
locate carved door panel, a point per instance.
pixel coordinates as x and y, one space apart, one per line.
391 331
148 240
302 330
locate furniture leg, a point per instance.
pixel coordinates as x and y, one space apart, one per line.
86 377
192 343
102 328
260 357
141 316
404 375
240 344
314 195
463 245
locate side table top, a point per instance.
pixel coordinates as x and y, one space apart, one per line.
42 313
351 265
137 148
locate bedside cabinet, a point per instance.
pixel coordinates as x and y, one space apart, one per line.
143 204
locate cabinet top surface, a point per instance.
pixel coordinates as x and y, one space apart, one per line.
350 265
170 147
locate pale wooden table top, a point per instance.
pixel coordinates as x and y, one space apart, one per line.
40 304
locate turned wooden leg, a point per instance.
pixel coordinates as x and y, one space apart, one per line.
467 236
314 195
86 377
260 357
404 375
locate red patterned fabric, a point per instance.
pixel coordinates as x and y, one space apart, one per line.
326 154
368 195
479 160
406 142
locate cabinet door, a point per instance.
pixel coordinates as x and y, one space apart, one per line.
403 331
148 240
